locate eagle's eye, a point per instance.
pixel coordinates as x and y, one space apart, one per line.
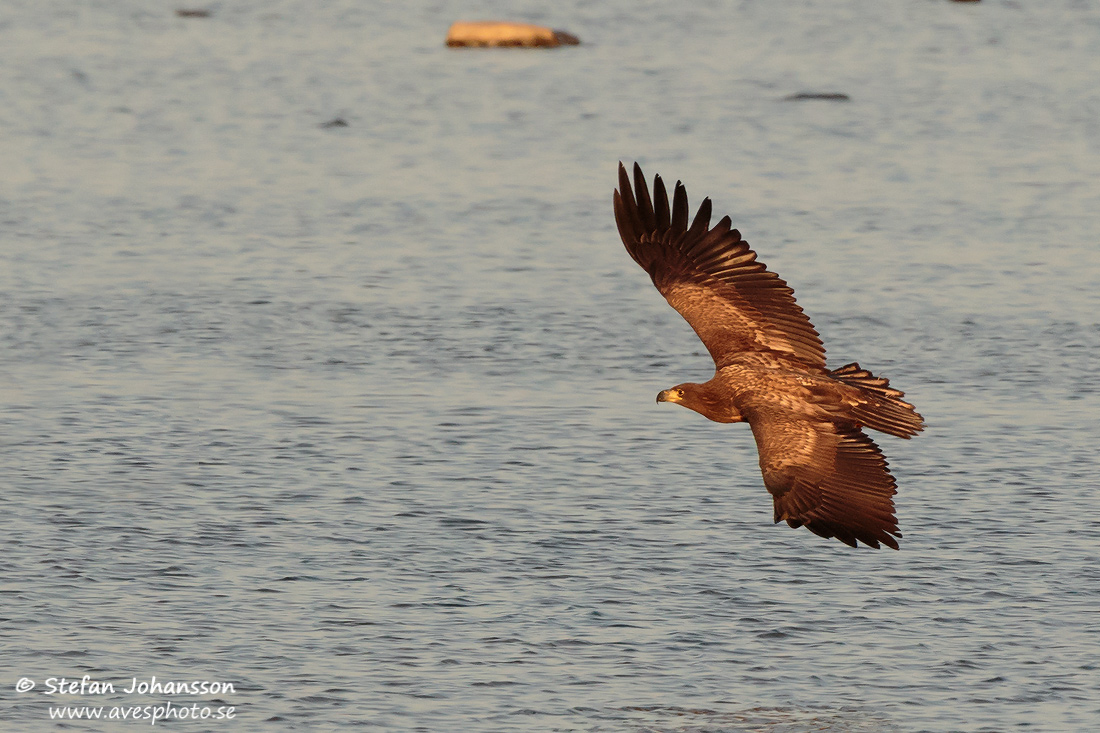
680 393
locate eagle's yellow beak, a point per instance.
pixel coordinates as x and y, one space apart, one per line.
668 395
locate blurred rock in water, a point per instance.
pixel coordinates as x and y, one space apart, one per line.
493 33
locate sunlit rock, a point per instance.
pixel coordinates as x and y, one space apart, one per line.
494 33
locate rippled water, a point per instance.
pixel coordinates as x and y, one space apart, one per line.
361 419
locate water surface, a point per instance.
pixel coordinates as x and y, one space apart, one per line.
362 418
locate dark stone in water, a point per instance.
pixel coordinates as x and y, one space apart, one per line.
831 96
334 122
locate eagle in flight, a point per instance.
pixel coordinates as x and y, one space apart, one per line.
821 469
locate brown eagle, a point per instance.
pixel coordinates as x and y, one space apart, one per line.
822 471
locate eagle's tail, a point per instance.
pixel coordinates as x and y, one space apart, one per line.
883 410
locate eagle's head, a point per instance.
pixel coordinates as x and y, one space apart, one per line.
703 399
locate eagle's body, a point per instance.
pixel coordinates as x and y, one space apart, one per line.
823 472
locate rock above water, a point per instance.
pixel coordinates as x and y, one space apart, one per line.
484 33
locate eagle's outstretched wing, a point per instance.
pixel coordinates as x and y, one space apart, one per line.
828 477
711 276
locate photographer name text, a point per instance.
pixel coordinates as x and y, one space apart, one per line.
134 686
